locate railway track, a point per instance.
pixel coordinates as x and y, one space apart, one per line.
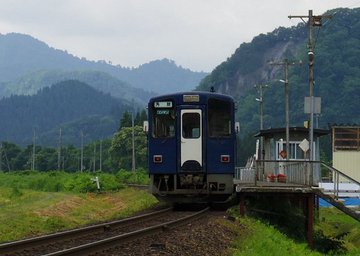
88 240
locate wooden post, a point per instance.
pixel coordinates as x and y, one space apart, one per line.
310 219
317 206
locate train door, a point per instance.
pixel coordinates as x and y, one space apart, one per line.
191 140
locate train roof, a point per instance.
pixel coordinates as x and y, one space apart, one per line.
202 99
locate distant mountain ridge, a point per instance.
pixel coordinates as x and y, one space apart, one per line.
46 89
22 54
31 83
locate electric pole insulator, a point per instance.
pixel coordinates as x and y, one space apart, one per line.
311 58
317 21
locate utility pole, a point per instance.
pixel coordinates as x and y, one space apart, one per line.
94 168
0 156
133 137
286 63
101 155
260 89
59 151
33 152
313 21
7 160
82 151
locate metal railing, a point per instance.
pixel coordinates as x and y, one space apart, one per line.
245 174
297 172
305 173
336 174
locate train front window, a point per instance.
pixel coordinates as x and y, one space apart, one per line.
219 118
163 123
191 125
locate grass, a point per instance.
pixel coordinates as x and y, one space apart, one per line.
25 213
260 238
335 227
60 181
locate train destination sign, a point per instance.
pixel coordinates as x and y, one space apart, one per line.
163 112
191 98
163 104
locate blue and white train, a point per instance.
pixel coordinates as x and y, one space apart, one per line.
192 147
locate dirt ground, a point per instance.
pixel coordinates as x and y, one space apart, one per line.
212 235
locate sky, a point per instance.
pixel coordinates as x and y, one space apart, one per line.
196 34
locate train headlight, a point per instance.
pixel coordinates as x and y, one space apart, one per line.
225 158
157 159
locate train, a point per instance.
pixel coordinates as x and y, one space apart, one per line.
192 147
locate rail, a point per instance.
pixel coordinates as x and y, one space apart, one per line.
71 234
123 238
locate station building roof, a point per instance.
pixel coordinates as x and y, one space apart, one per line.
298 130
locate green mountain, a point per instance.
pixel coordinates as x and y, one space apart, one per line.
71 105
336 69
21 55
31 83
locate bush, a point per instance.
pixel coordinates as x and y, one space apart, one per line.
328 244
140 176
281 213
109 182
59 181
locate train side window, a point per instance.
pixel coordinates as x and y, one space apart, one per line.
163 123
219 118
191 125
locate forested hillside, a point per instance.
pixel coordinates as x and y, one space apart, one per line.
72 105
337 73
31 83
22 54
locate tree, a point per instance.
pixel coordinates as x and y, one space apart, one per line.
121 148
140 117
126 120
46 159
9 153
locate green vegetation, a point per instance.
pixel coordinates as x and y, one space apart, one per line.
140 177
115 152
59 181
26 213
121 148
335 231
260 239
335 234
44 202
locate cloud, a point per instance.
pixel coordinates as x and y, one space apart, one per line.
198 34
